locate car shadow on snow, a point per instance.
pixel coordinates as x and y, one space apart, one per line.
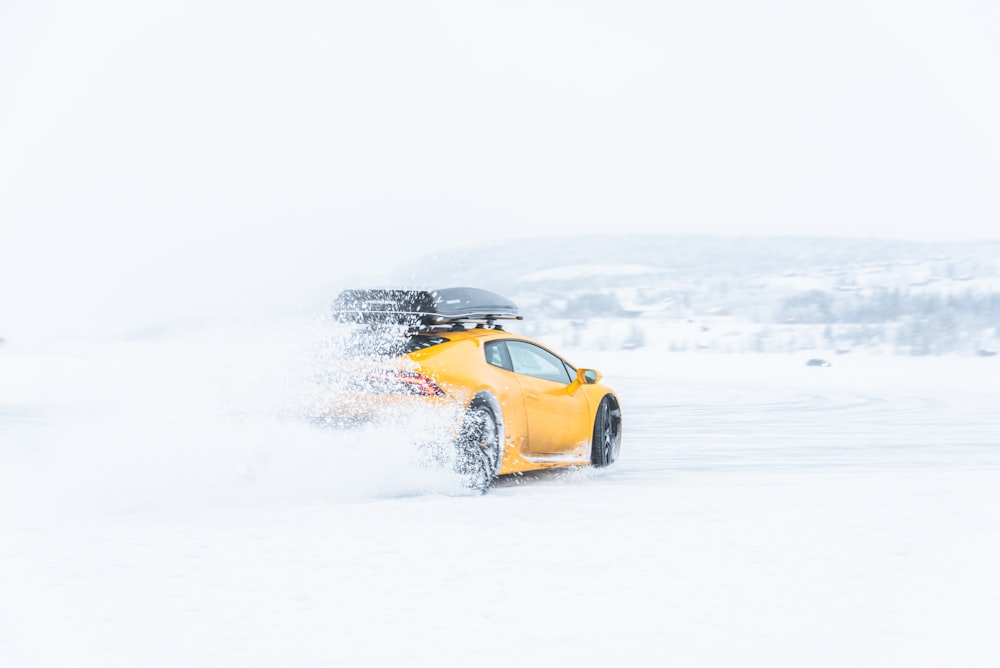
569 474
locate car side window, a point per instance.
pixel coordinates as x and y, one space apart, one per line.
496 354
531 360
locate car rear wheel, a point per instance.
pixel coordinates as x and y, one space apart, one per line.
479 448
607 433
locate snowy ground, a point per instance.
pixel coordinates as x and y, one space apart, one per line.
764 513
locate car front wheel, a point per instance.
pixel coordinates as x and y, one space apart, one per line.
607 433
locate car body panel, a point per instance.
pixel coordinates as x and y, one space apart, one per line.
559 418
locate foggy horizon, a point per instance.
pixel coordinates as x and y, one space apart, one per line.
164 156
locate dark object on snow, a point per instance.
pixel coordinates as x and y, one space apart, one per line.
817 362
422 307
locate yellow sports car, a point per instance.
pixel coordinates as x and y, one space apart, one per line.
498 402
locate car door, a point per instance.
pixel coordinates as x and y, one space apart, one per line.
558 415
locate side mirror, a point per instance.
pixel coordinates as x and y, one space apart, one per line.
587 376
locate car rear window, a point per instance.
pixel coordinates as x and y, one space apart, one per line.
383 343
421 341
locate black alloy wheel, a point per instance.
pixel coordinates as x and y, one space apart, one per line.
607 434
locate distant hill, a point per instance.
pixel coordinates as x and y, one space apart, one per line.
506 264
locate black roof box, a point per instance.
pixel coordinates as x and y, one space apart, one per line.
423 307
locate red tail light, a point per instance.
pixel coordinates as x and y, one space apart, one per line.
404 382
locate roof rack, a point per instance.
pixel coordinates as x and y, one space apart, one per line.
423 308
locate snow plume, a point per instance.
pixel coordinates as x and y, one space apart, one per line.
216 420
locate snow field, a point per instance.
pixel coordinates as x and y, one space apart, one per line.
763 513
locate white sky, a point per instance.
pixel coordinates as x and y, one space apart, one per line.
164 151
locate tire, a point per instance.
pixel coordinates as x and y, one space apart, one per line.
607 433
479 448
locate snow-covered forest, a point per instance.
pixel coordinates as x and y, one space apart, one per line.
750 294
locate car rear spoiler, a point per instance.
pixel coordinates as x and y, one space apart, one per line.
423 307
